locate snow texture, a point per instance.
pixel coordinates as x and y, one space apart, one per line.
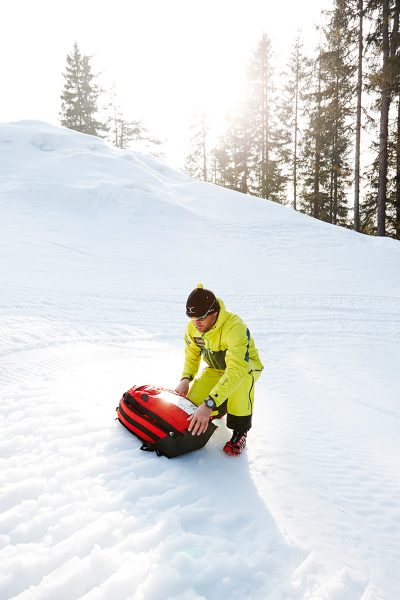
99 250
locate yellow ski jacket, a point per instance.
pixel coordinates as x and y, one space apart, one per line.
227 347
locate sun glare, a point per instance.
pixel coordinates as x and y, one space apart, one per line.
167 60
208 60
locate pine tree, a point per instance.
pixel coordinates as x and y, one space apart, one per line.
315 145
327 140
236 152
121 132
125 132
80 95
393 180
291 113
359 15
372 59
266 177
196 162
338 71
379 208
221 162
385 80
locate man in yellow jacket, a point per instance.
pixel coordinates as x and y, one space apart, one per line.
226 384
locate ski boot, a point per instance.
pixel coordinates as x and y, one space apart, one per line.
236 444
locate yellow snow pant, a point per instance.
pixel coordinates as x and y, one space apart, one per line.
239 405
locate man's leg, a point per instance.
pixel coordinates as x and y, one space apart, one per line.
202 385
240 410
239 405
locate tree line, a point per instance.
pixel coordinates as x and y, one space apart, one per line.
324 136
81 107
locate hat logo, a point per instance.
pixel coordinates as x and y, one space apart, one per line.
190 309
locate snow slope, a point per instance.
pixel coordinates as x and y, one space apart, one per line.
99 249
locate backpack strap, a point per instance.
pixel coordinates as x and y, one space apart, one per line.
146 447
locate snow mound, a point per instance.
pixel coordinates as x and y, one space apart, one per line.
99 249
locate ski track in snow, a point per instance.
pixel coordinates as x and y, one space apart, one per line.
90 305
77 493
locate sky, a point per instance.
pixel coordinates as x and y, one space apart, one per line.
166 59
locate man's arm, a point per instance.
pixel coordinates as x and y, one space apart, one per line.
183 386
192 356
192 363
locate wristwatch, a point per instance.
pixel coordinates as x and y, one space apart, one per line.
210 403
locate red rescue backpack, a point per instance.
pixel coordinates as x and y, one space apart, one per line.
158 417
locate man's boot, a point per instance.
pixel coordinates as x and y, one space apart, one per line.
236 444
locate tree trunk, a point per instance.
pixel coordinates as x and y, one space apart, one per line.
387 88
397 192
382 163
296 110
204 133
335 197
335 165
358 119
265 133
316 203
383 127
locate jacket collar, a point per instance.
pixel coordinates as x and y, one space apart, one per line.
221 316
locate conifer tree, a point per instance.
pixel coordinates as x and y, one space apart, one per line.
122 132
385 37
291 114
315 145
221 162
339 70
372 59
197 159
237 149
359 16
79 99
267 179
393 183
328 137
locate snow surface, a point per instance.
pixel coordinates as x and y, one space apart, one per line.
99 249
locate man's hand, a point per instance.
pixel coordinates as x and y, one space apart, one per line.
200 419
183 387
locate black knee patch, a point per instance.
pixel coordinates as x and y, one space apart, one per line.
241 424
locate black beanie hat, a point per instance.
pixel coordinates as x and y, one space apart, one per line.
201 302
